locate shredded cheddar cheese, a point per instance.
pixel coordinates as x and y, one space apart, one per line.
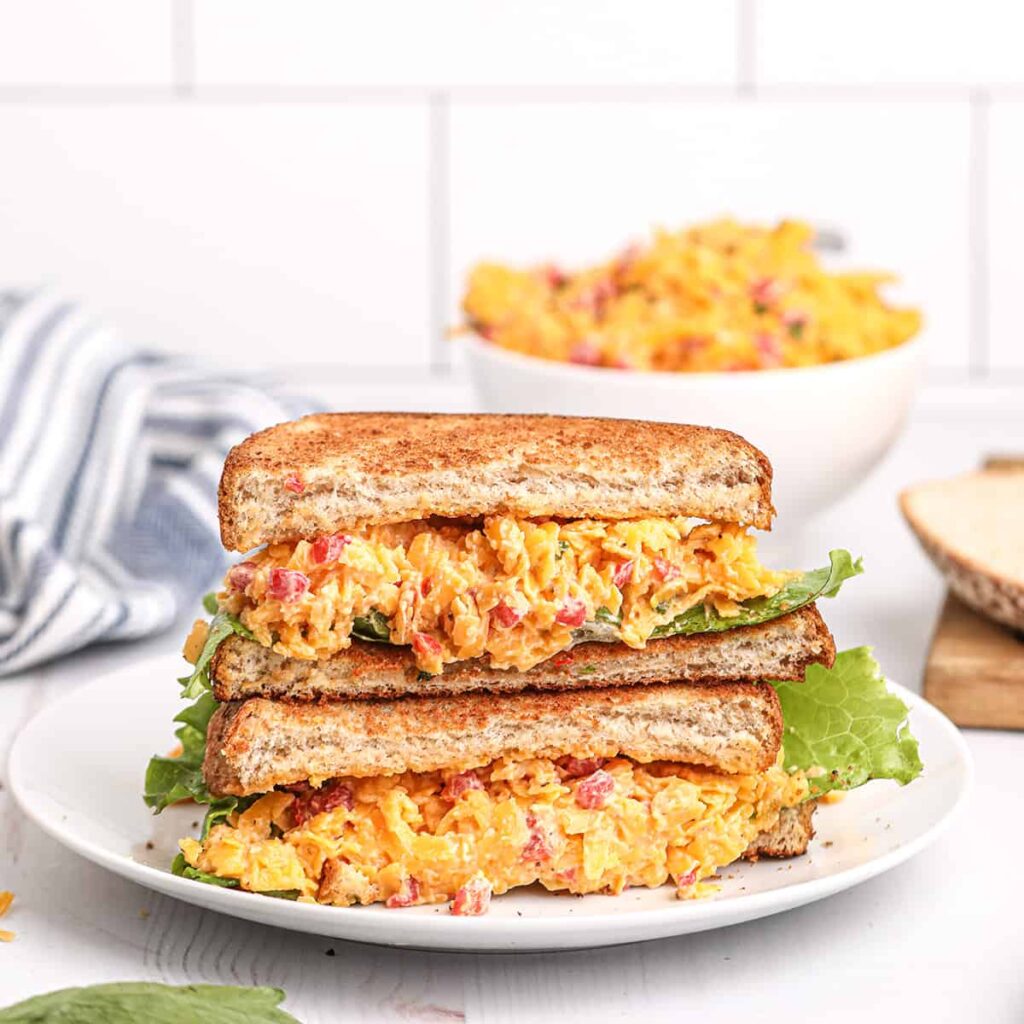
6 899
509 589
423 838
720 296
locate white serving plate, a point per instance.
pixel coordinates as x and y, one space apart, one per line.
77 769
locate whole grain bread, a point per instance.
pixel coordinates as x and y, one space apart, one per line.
333 470
789 838
972 528
780 649
257 744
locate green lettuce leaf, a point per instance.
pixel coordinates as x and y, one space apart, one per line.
608 617
795 594
843 726
172 779
222 626
373 626
128 1002
181 868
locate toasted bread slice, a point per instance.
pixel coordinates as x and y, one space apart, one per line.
789 838
972 528
323 472
257 744
780 649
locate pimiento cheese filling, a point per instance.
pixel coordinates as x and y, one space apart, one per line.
721 296
579 826
511 589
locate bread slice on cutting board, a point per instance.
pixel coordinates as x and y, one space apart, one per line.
972 528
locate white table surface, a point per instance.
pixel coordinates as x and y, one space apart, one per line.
938 939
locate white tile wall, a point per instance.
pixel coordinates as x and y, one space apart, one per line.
465 42
1006 229
574 181
879 42
75 42
273 233
306 183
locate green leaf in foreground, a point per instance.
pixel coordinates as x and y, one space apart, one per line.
844 727
222 626
129 1002
797 593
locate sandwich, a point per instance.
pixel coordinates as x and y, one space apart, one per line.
503 538
462 654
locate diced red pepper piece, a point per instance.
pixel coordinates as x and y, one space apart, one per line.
563 660
506 615
766 292
294 482
585 353
665 570
688 879
538 846
287 584
329 546
554 277
312 802
593 298
623 573
593 792
769 347
572 613
577 767
424 643
426 586
241 575
473 898
407 896
459 784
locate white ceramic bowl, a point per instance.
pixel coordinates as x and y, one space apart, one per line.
822 427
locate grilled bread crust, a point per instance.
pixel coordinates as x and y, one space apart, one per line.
789 838
255 745
332 470
780 649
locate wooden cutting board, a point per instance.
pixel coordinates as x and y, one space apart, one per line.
975 669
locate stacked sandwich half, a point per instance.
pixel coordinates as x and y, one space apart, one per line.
468 653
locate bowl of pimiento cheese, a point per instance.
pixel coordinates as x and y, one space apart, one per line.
737 325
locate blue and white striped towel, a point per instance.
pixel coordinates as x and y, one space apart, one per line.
109 461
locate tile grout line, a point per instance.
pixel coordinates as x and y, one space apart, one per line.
438 227
183 50
746 49
977 227
245 95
